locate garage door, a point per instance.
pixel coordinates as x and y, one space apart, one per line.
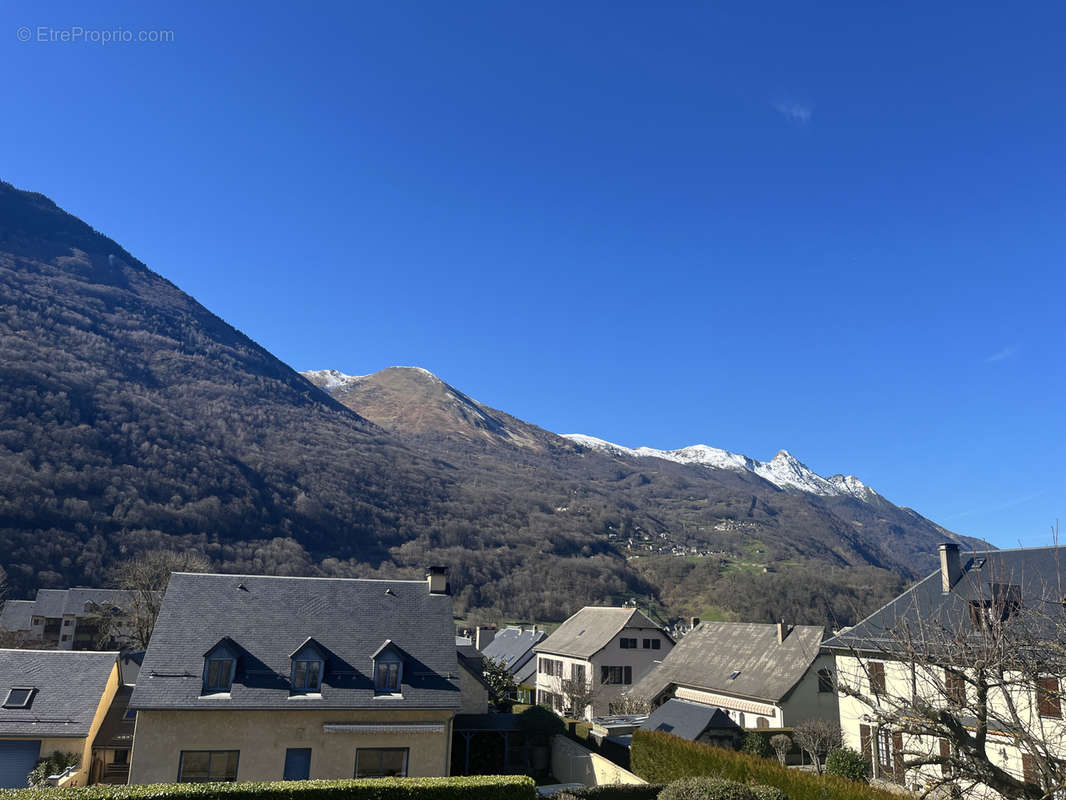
17 758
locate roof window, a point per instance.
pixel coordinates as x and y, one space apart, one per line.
19 697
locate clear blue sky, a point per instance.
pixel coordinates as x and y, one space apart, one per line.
830 229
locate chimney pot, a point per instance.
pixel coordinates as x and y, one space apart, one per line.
950 568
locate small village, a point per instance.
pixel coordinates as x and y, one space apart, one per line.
265 679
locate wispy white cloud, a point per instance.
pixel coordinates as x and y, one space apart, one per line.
796 112
1002 355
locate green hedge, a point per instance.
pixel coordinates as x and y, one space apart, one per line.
483 787
617 791
661 757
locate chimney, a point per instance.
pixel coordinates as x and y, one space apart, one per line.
483 635
950 568
437 578
693 622
783 631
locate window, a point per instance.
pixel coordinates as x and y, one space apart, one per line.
65 637
219 675
954 688
616 675
37 621
307 676
656 644
67 623
551 667
19 697
877 678
380 762
387 671
825 681
201 766
1047 697
131 713
627 644
885 751
647 644
577 674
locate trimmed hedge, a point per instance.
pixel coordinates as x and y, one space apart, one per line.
705 788
616 791
477 787
660 758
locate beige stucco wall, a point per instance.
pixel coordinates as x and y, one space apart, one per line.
263 736
612 655
572 763
806 702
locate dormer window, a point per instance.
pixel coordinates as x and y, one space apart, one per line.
19 697
308 664
388 669
220 665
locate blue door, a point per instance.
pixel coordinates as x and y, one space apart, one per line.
298 763
17 758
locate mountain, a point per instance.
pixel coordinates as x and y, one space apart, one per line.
662 509
133 418
784 471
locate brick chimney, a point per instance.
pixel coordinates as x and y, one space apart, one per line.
950 568
437 578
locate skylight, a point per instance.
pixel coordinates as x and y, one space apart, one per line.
733 675
19 697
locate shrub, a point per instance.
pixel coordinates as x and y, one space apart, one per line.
660 757
53 765
843 762
616 791
539 720
486 787
703 788
755 744
768 792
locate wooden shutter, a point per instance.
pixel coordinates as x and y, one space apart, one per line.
897 756
867 747
954 688
1047 697
605 674
877 677
1030 773
627 677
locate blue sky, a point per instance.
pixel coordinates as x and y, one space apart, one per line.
830 229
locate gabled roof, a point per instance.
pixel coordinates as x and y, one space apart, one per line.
270 617
591 629
17 615
709 655
472 661
69 688
513 647
1039 573
687 720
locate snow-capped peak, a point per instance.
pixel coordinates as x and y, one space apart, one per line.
330 379
784 470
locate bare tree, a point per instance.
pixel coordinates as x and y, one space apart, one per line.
630 703
781 744
815 737
145 577
579 694
967 686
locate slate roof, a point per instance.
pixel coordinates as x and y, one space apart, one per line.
69 688
713 651
591 629
17 615
514 648
687 720
470 658
270 617
1038 572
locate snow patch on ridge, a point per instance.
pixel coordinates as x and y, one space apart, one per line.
330 379
784 470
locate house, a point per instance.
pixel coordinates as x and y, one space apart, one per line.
696 722
762 676
52 701
1003 607
67 619
513 647
257 678
602 649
